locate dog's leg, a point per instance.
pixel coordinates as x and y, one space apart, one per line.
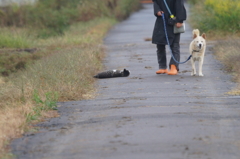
193 67
200 66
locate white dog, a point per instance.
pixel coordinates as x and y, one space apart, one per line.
197 50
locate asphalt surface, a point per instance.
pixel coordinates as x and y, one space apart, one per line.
144 116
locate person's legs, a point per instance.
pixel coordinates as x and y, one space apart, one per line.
173 65
162 59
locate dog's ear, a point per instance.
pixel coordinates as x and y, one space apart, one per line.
194 36
204 36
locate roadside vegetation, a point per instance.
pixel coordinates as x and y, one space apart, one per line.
220 19
49 52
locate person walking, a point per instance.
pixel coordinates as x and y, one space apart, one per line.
178 10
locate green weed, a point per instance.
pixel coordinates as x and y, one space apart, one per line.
48 103
11 39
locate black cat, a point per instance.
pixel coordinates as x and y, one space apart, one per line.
113 73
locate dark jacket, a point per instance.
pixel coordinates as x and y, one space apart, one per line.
178 10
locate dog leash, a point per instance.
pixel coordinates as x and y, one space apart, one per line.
171 15
165 30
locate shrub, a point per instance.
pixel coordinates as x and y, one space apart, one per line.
217 15
226 14
125 7
53 17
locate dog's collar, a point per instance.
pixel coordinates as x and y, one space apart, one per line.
195 51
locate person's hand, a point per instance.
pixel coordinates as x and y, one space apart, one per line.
178 25
160 13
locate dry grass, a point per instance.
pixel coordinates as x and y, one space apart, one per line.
227 51
66 72
12 124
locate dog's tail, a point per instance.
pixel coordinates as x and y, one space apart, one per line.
195 33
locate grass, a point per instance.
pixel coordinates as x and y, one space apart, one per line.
12 59
64 74
216 16
13 41
227 51
22 27
63 14
16 40
220 20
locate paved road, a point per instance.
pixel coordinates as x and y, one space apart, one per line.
144 116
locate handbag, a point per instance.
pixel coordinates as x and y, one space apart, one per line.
172 21
177 30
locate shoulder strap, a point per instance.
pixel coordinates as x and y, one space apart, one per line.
171 15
